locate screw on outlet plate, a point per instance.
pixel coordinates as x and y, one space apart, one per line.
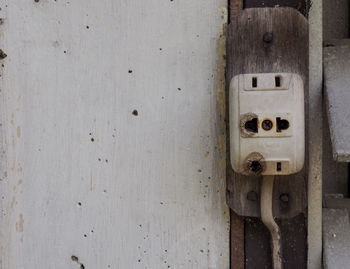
268 37
284 202
284 197
267 125
252 196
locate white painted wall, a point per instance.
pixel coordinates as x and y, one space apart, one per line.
152 186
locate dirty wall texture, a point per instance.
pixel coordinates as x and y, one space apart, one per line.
113 134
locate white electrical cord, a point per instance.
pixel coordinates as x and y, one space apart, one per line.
269 221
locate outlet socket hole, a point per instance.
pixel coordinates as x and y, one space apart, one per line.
281 124
252 125
279 166
254 82
278 82
256 167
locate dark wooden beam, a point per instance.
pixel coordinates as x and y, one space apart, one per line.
287 53
248 53
237 260
302 6
237 241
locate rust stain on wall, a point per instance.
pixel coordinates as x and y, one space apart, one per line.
220 153
19 225
12 118
220 93
91 183
13 202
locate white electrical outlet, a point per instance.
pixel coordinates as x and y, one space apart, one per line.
267 124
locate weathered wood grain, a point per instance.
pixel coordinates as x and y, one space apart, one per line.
237 257
235 7
248 53
302 6
237 241
258 246
84 178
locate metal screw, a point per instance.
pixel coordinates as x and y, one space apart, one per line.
284 197
252 196
268 37
267 125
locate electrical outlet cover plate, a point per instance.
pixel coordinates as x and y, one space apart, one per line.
267 124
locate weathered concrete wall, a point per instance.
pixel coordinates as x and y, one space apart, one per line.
336 238
113 139
315 141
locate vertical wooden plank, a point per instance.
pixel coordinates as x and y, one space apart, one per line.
109 128
302 6
235 7
294 247
237 241
236 222
246 38
257 245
